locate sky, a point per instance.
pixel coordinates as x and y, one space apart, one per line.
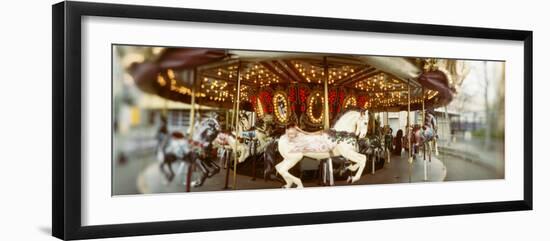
472 88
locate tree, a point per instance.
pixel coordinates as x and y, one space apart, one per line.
488 118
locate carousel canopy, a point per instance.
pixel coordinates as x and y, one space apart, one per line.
374 82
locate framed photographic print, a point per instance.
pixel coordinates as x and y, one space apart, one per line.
170 120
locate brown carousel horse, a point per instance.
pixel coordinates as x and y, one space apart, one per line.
197 150
424 136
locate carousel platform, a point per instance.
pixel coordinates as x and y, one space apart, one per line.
398 170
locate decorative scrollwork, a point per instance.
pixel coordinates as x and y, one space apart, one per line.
315 110
281 107
259 108
350 101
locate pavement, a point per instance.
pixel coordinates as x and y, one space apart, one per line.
398 170
470 160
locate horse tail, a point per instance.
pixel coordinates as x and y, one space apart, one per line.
271 156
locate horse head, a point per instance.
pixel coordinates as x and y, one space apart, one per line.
352 120
207 130
361 126
244 124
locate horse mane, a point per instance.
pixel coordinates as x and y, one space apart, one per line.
349 109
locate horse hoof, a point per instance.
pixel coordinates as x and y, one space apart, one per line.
196 184
349 180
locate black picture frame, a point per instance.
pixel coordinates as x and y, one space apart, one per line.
66 141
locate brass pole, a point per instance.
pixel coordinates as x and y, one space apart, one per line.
447 132
233 115
326 115
424 144
192 109
373 134
387 129
191 127
409 119
409 132
423 110
236 114
326 107
447 127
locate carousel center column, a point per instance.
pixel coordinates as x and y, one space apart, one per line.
326 113
191 127
236 118
409 129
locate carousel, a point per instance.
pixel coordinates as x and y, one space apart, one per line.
261 111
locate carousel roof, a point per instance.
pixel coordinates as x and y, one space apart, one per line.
382 81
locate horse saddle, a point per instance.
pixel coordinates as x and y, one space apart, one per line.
303 141
293 132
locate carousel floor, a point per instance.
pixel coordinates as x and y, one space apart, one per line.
151 180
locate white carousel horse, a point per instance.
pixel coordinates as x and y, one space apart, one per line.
341 140
225 142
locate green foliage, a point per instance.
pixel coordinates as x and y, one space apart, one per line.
495 134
